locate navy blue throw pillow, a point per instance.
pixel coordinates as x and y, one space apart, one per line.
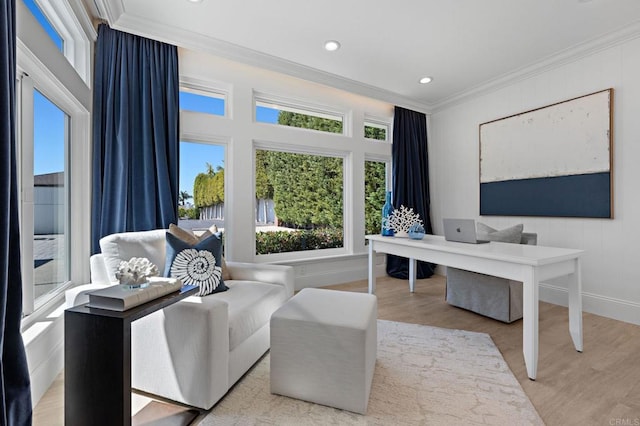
200 264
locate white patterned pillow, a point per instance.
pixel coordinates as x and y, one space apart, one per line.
198 264
197 267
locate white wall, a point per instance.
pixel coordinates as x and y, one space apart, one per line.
610 273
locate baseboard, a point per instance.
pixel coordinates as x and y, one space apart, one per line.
609 307
321 273
43 376
45 356
44 346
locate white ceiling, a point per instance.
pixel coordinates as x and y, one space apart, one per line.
387 46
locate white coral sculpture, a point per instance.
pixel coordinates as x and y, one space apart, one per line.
136 271
401 220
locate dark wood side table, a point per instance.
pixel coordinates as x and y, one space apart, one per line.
97 360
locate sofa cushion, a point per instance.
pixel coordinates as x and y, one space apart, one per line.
512 234
197 264
251 304
123 246
193 239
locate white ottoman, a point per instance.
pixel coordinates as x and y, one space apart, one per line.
323 348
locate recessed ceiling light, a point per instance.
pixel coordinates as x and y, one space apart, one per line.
331 45
425 80
195 1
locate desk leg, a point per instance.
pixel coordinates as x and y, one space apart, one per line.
412 275
530 322
575 306
372 277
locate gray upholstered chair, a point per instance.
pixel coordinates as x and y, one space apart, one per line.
494 297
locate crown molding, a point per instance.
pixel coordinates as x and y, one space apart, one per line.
110 10
84 20
199 42
556 60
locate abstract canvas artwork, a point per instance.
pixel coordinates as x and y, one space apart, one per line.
551 161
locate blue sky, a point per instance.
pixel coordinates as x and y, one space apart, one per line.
44 22
48 135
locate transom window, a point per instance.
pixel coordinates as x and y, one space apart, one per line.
284 113
201 101
45 24
376 130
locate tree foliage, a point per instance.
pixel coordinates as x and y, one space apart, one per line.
264 188
374 190
307 189
304 121
376 133
208 188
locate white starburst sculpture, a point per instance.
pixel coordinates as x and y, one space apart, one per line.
401 220
136 271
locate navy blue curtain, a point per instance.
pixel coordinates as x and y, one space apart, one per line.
410 180
15 388
135 135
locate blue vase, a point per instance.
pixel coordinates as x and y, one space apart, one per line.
387 209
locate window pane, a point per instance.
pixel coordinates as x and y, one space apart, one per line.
375 131
44 23
49 196
297 117
374 195
299 202
201 198
190 101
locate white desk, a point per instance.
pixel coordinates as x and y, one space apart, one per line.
520 262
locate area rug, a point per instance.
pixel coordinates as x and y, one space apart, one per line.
423 376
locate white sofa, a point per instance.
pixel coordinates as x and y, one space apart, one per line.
195 350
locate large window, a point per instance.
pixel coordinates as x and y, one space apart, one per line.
299 202
46 213
54 156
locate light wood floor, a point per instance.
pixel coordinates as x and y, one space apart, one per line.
600 386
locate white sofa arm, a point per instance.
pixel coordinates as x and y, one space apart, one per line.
182 351
99 273
273 274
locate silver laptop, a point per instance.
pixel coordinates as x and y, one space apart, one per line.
461 230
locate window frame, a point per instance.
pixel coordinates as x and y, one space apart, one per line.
346 202
26 141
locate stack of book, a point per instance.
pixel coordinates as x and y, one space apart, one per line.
121 297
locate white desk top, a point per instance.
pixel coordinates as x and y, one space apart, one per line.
514 253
